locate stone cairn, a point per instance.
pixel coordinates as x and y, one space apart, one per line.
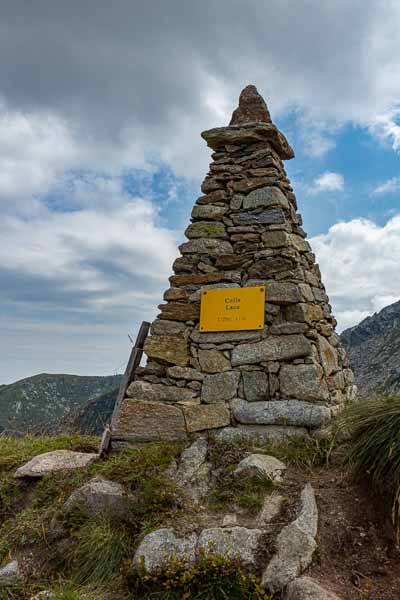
288 379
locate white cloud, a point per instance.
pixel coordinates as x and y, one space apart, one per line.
388 187
360 267
327 182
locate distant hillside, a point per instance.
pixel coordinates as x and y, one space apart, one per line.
97 413
374 351
45 400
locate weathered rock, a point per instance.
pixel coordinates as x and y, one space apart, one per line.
328 356
304 382
295 545
162 327
209 211
177 311
53 462
10 574
231 542
275 239
158 547
185 373
268 266
206 229
223 337
266 217
176 294
201 417
44 595
197 278
195 297
305 588
259 433
306 313
216 196
255 385
213 361
251 183
265 198
156 392
271 508
280 412
168 348
261 464
282 292
211 247
99 497
193 473
220 387
283 347
219 137
144 421
252 108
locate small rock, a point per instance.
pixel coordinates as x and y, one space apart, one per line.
99 496
45 595
231 542
229 520
10 574
305 588
220 387
260 464
52 462
158 547
193 473
271 509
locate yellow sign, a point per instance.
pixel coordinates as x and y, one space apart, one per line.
232 309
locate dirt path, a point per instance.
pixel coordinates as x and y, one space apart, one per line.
357 557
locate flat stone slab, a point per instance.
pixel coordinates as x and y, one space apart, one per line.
305 588
159 546
205 416
259 433
295 546
273 348
145 421
261 464
53 462
281 412
231 542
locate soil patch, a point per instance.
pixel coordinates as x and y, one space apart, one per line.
357 556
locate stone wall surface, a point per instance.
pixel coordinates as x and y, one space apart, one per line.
245 231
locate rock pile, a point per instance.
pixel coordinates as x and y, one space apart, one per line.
290 377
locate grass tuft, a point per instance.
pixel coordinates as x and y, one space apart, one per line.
373 448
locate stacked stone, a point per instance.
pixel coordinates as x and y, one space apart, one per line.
285 380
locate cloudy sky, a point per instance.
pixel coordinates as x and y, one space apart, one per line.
101 108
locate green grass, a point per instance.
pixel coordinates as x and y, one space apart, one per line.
372 429
95 550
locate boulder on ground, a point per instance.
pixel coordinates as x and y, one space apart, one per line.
159 546
231 542
295 546
261 464
193 473
52 462
99 496
305 588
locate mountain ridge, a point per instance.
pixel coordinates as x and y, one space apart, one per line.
373 347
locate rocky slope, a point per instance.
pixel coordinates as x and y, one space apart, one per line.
45 400
374 352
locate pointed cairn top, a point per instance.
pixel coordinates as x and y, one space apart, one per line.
252 108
